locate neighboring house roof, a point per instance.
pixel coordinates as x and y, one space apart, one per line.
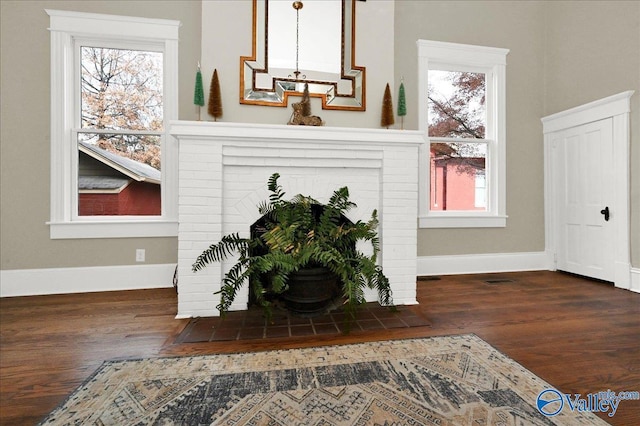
102 183
442 149
134 169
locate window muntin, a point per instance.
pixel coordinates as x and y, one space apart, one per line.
462 110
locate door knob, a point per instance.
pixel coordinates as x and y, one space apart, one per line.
605 212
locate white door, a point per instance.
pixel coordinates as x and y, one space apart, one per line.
584 188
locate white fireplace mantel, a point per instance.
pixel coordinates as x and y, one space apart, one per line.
223 173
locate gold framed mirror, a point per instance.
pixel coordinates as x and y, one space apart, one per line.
293 43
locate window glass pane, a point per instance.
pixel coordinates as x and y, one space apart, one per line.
458 176
118 175
457 104
121 89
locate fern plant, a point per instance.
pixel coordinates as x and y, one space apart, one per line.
300 233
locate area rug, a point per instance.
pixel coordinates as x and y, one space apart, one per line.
451 380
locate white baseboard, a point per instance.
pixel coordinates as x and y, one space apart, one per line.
635 280
32 282
482 263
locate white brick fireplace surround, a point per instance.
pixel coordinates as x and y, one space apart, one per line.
223 173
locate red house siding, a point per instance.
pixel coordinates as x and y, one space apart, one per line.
136 199
452 185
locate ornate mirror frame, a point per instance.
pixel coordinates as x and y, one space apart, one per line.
333 93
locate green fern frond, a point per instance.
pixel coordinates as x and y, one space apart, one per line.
383 287
340 200
330 257
373 222
276 190
303 200
279 282
353 294
231 283
265 208
280 239
228 245
275 262
258 290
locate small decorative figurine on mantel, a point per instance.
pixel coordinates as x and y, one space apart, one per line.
301 115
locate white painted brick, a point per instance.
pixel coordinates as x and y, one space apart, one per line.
199 157
196 166
399 236
398 196
190 209
206 184
195 146
222 179
198 297
202 305
194 201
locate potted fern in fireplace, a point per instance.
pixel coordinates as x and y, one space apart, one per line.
302 252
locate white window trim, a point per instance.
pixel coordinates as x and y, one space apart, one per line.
466 57
66 27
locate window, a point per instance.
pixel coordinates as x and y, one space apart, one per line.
462 109
120 134
113 91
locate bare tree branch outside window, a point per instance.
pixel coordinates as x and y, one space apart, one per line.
122 90
457 110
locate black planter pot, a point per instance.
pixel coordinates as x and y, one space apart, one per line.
311 290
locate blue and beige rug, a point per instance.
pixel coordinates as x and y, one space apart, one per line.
451 380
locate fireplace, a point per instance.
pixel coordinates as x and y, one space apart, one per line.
223 170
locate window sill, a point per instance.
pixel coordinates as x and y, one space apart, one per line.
462 221
113 229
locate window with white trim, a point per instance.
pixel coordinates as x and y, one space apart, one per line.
462 109
114 88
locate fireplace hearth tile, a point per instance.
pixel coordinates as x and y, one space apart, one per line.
252 325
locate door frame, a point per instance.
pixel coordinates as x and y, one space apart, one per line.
618 108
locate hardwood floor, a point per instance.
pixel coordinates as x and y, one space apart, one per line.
579 335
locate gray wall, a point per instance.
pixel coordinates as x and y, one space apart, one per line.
24 135
518 26
593 51
562 54
373 52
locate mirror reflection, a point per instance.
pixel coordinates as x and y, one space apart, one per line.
309 41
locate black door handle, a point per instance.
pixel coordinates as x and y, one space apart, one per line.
605 212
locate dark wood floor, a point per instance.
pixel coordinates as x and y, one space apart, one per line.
579 335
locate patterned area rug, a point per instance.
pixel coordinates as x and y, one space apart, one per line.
452 380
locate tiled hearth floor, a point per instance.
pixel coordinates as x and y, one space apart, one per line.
251 324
